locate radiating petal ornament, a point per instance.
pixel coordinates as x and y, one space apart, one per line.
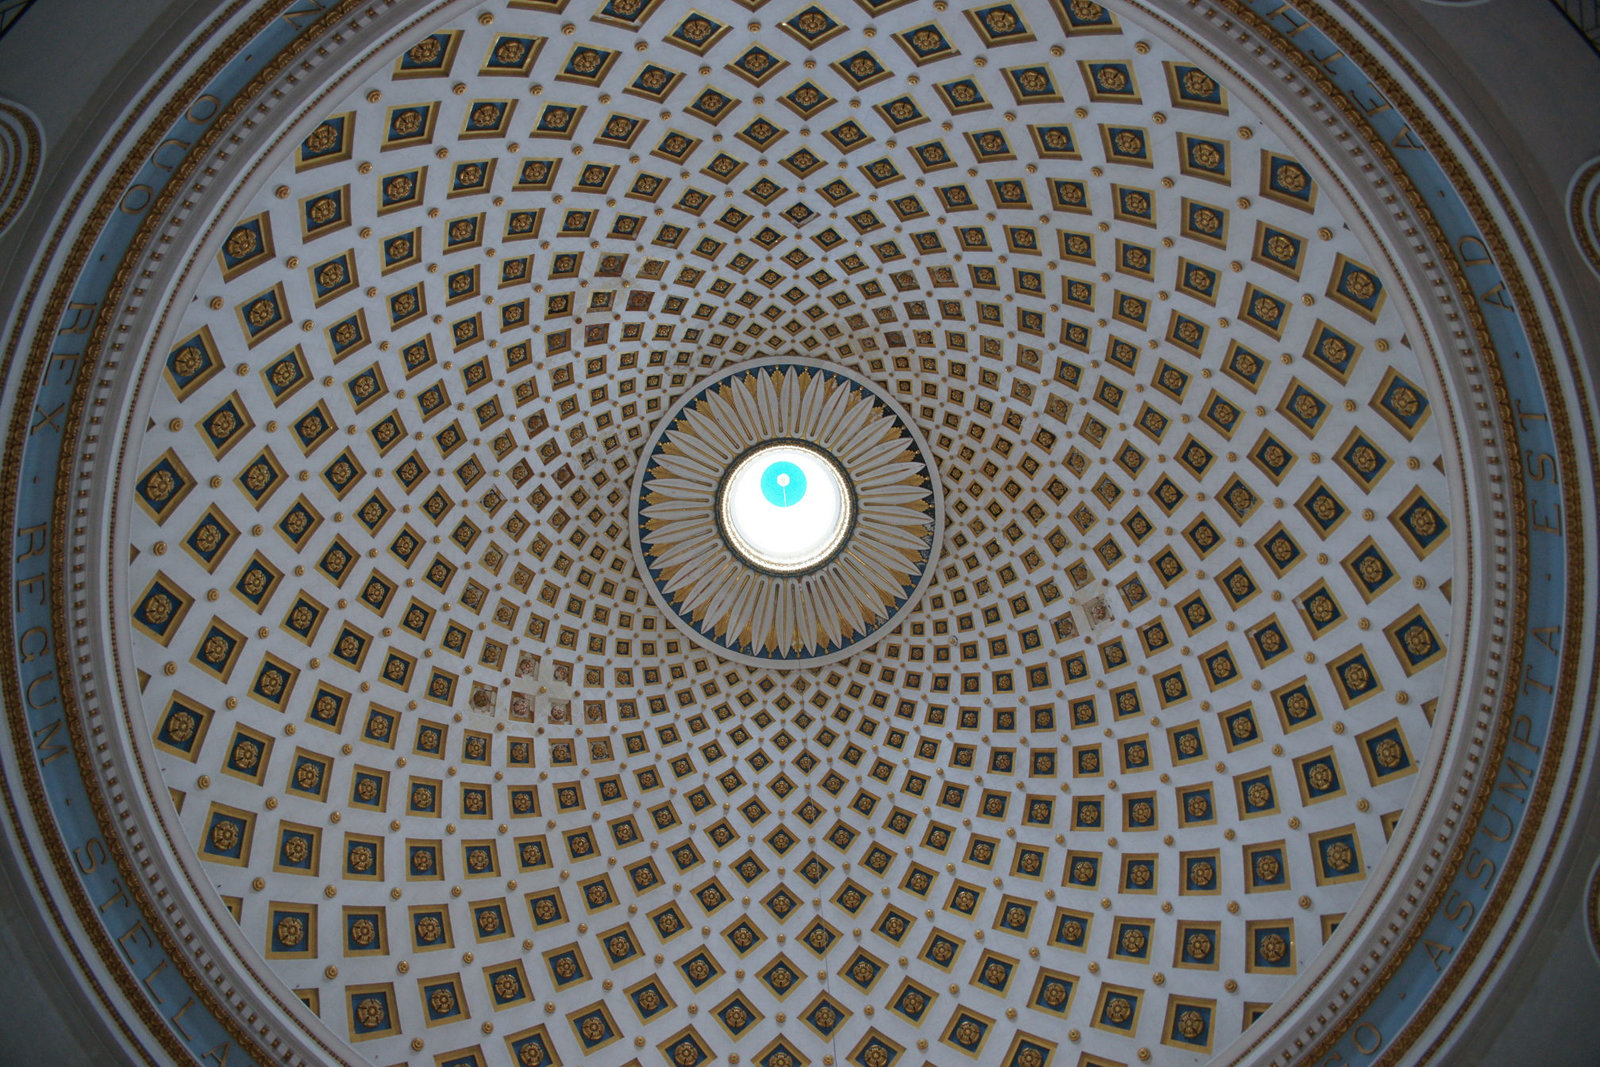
787 513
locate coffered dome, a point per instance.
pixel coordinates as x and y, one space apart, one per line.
1158 706
836 535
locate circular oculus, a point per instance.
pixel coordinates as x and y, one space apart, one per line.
785 507
787 513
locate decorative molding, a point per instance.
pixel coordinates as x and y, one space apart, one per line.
1583 199
21 153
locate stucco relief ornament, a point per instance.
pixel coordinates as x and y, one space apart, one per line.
181 726
291 930
363 932
296 849
370 1013
425 51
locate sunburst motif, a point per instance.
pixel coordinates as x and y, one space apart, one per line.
736 608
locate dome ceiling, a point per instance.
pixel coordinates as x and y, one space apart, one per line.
1103 785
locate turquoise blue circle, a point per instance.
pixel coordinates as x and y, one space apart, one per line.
783 495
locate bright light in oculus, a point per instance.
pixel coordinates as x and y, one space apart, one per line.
785 508
783 484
